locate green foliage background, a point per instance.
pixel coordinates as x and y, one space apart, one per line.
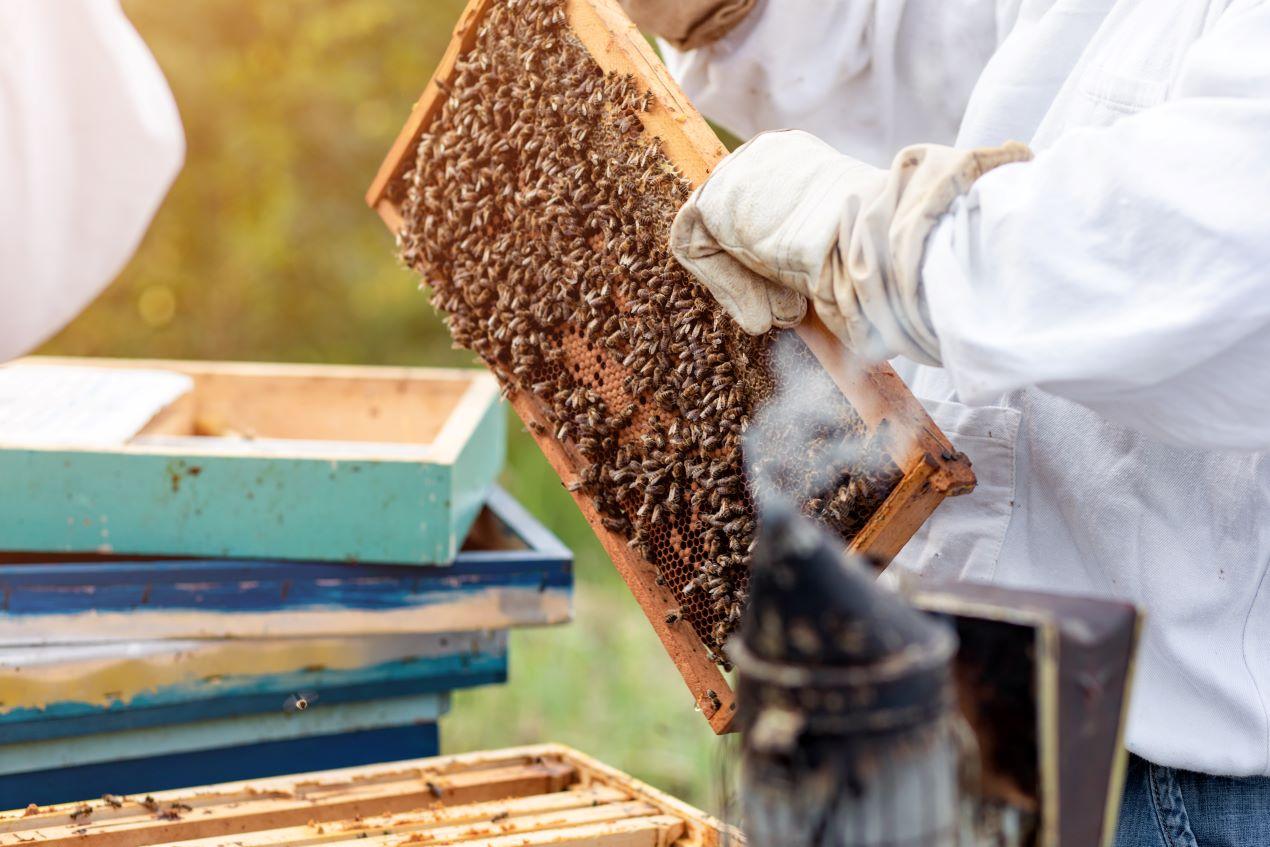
264 250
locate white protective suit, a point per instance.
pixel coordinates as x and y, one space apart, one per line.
1102 312
90 141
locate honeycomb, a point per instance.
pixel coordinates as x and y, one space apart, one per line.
537 208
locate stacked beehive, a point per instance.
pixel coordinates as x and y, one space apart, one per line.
264 577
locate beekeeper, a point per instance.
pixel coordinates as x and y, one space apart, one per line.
1078 287
90 141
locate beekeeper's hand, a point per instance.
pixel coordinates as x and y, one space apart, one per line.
688 24
787 217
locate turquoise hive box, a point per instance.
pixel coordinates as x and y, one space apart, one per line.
238 460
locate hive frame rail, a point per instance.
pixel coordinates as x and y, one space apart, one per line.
544 794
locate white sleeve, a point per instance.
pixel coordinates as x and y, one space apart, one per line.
867 76
90 141
1128 267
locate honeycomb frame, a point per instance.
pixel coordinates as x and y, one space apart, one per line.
931 468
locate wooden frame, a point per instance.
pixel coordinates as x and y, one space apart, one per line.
933 468
540 795
301 462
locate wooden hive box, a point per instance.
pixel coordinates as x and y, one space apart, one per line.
511 798
123 674
929 467
1043 680
511 572
236 460
255 743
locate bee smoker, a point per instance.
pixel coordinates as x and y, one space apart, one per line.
845 700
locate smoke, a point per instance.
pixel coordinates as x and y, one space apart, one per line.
809 448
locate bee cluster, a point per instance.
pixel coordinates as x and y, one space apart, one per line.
538 209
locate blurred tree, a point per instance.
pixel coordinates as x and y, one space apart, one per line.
263 249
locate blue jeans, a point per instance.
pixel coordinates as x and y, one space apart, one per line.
1166 807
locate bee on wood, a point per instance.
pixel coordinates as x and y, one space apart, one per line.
299 702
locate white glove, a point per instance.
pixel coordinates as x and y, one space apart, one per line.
786 216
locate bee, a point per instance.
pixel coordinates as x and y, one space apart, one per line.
299 702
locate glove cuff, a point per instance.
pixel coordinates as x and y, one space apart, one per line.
688 24
927 179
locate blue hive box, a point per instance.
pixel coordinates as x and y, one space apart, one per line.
123 675
513 573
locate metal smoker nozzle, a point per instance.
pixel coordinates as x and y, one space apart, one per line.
845 701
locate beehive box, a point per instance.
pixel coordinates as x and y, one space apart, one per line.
1043 681
90 691
248 460
511 572
233 747
97 695
533 186
528 796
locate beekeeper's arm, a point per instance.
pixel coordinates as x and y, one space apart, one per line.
877 73
90 140
1126 268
